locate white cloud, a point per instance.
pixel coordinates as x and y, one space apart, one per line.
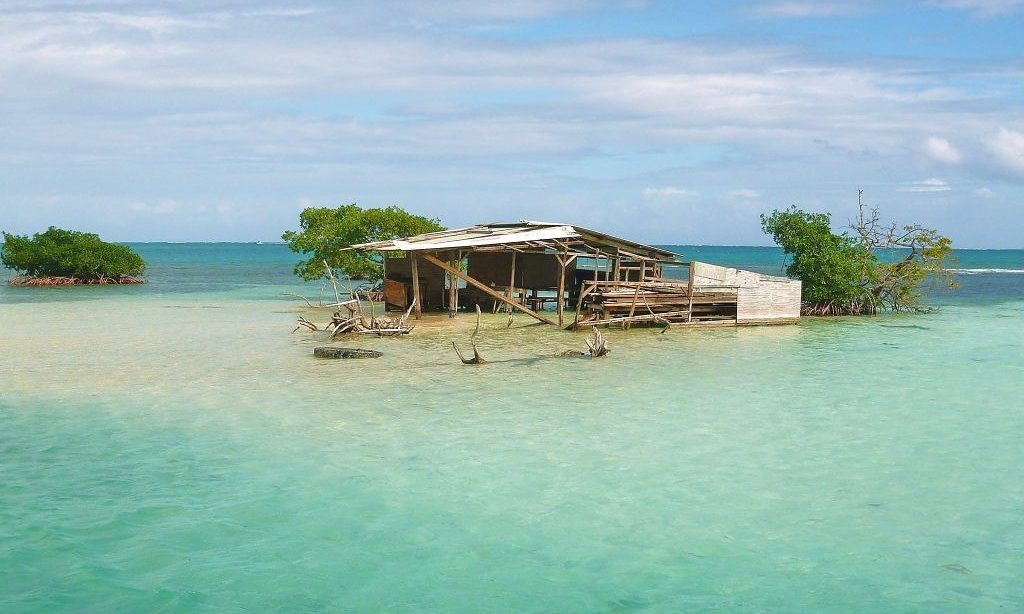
806 8
941 150
744 194
668 192
163 207
983 8
932 184
281 12
260 105
1007 146
985 192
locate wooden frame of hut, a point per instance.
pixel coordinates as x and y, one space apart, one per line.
527 265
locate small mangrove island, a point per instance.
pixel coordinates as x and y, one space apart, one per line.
875 267
61 257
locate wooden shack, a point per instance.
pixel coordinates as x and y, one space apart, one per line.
539 268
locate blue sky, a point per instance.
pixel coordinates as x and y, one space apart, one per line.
669 122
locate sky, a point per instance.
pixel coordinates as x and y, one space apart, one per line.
667 122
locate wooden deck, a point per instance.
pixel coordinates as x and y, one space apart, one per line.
712 295
654 302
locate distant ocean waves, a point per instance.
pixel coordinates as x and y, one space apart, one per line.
988 271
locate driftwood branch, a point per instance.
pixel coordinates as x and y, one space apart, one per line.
597 343
303 298
477 359
334 282
303 322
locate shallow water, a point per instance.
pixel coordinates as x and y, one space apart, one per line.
174 446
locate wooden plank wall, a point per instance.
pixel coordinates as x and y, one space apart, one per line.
431 280
774 298
533 271
760 298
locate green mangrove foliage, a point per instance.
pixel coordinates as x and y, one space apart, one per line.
61 257
875 267
326 232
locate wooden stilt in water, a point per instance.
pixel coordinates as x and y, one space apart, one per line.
416 287
561 287
453 304
455 285
689 291
512 281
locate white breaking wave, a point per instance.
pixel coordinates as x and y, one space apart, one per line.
981 271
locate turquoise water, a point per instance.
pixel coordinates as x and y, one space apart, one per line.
175 447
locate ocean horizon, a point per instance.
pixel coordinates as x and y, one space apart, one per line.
175 446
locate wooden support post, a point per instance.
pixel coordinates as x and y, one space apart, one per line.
512 282
689 291
455 284
482 286
417 310
561 287
445 292
450 301
616 270
632 307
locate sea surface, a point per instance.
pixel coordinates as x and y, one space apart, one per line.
176 447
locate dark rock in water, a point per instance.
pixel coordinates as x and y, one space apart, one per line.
327 351
957 567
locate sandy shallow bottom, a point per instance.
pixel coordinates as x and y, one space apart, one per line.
189 452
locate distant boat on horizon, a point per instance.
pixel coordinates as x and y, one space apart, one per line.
259 243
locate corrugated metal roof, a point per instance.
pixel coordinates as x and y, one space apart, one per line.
511 234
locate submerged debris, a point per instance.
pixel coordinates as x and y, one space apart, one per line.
598 344
327 351
357 322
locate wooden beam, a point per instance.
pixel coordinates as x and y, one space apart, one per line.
469 280
584 291
632 307
417 311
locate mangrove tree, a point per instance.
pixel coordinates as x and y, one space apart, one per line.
872 266
66 257
326 232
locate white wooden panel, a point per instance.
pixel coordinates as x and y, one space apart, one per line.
772 299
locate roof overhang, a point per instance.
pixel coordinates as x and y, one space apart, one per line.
524 234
